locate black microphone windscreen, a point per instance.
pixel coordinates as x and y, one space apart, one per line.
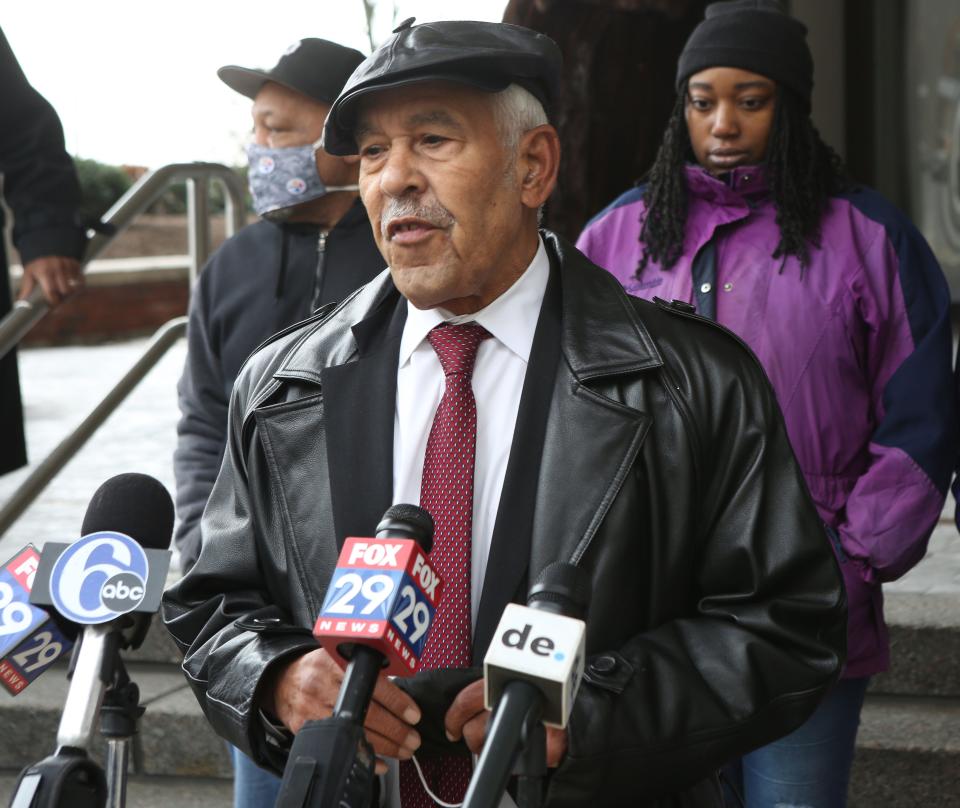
137 505
562 588
410 521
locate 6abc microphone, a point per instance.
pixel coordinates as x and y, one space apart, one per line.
106 585
375 619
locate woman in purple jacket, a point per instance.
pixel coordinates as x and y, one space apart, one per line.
748 216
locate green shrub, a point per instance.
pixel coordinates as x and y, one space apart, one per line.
100 186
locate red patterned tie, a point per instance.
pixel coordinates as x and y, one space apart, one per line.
446 491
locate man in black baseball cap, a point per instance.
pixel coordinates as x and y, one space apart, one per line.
312 246
541 415
317 68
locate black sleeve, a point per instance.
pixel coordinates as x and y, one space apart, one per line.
229 627
202 428
39 179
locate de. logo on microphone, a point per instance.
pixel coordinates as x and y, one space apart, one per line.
99 577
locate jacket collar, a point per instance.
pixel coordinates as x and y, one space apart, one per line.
733 189
716 201
349 330
605 338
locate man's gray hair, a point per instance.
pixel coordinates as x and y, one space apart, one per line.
516 110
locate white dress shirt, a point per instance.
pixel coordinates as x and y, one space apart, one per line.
498 376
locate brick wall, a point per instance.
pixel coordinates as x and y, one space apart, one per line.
108 312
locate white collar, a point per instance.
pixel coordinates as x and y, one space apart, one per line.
511 318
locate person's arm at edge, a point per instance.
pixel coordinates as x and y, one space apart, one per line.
40 184
895 503
202 428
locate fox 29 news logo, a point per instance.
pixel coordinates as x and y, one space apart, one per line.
99 577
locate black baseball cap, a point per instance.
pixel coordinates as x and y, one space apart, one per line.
315 67
488 55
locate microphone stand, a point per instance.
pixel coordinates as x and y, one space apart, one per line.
531 767
331 761
118 724
99 685
517 716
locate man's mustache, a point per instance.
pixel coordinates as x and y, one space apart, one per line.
431 212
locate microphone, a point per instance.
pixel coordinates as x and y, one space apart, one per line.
532 672
108 581
375 618
379 605
31 639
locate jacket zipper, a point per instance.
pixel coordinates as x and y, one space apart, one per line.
318 275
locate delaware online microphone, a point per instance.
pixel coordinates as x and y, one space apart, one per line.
532 672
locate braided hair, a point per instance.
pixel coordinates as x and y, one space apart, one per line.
803 173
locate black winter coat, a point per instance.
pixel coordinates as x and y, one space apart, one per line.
717 619
40 186
257 283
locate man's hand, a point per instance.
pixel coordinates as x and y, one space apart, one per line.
468 719
306 690
58 276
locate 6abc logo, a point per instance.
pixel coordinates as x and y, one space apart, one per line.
99 577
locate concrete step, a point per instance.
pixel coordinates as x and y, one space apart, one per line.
158 646
908 750
174 737
908 753
924 639
924 645
156 792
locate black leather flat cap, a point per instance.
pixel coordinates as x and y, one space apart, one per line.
486 55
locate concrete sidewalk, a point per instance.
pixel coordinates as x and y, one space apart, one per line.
157 792
61 385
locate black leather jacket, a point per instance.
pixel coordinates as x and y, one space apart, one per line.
257 283
717 617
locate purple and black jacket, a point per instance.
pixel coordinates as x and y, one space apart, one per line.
857 345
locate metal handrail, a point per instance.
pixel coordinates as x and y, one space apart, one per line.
40 477
27 312
141 195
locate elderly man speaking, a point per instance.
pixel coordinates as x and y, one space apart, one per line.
511 387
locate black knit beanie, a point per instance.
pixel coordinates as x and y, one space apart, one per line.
754 35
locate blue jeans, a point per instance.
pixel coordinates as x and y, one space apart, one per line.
252 786
810 767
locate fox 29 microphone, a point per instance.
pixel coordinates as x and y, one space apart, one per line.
31 638
375 619
532 672
109 582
